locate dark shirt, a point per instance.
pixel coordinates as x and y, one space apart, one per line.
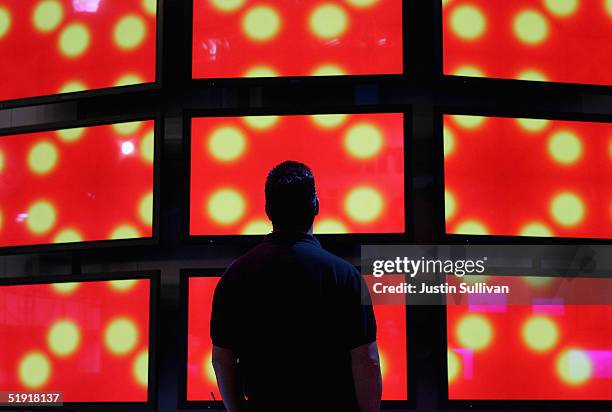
292 312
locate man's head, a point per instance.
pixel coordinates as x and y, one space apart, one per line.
291 197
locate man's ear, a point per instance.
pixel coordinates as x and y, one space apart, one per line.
316 209
268 212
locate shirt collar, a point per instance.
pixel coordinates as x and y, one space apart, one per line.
292 237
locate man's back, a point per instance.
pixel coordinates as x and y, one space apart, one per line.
292 313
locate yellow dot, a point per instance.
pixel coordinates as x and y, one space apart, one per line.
363 141
122 285
565 147
74 40
147 147
530 27
449 141
362 3
65 288
328 70
540 333
536 229
537 281
382 360
532 75
561 8
261 23
140 368
471 227
328 21
533 125
227 5
261 122
364 204
42 158
5 21
469 122
468 22
128 128
227 144
261 71
567 209
445 2
34 370
2 161
474 332
145 209
574 367
257 227
121 336
226 206
469 71
608 9
73 86
71 135
124 232
330 226
450 205
331 121
63 338
150 6
454 365
129 32
67 236
48 14
209 371
129 79
41 217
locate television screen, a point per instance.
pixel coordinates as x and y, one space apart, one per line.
549 40
540 351
244 38
357 160
77 185
527 177
62 46
201 381
86 340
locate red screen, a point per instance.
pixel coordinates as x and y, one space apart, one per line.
74 185
246 38
357 160
528 177
88 340
544 40
530 352
201 381
61 46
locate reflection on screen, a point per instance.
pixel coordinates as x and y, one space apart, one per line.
527 177
61 46
89 340
242 38
357 160
75 185
529 40
542 351
201 381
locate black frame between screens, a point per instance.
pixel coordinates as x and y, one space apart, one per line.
106 91
467 81
183 403
65 247
500 404
329 239
440 178
154 291
285 80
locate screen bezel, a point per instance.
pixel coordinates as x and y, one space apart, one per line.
328 239
154 289
86 245
105 91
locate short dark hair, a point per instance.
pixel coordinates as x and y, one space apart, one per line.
291 196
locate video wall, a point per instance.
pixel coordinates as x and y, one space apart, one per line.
357 160
88 340
77 185
527 177
62 46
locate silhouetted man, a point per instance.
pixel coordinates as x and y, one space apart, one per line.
288 326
